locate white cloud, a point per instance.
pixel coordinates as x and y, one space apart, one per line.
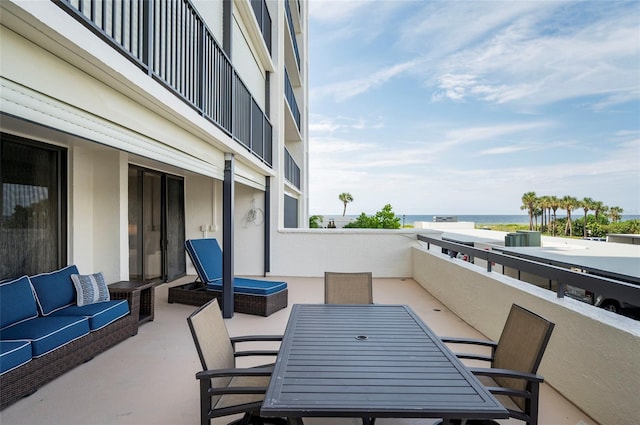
518 62
320 124
344 90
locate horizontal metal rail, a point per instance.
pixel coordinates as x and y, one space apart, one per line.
610 288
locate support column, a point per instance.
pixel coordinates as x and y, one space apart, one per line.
228 200
267 225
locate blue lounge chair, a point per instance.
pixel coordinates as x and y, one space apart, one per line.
251 296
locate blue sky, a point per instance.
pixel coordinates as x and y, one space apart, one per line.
457 107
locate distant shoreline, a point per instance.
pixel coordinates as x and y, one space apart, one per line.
483 219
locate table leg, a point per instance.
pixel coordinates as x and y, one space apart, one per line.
294 421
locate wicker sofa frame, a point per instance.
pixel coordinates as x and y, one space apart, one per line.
26 379
260 305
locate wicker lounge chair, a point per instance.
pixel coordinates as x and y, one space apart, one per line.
251 296
514 359
224 388
348 288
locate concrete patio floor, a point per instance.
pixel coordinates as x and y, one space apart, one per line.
149 379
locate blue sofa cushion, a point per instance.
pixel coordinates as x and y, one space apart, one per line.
242 285
90 288
14 354
17 302
99 314
55 290
48 333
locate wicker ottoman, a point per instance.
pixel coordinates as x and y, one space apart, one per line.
259 305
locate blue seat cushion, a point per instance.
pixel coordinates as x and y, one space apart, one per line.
206 257
48 333
17 302
99 314
242 285
14 354
55 290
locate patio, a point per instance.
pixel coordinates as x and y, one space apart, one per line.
150 378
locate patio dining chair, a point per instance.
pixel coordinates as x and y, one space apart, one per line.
348 288
226 389
514 359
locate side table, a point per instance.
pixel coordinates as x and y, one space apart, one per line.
127 290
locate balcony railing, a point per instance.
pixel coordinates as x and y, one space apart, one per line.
292 31
264 20
291 170
610 288
291 99
171 42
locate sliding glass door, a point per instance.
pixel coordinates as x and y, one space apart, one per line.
156 226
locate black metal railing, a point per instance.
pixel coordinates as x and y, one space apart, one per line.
292 31
291 170
170 41
264 20
610 288
291 99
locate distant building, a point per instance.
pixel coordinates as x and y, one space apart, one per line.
119 118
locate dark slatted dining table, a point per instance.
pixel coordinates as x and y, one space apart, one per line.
370 361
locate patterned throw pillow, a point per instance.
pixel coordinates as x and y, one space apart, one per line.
90 289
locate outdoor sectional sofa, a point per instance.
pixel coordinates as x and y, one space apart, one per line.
44 333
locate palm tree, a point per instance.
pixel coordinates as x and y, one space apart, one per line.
545 204
568 203
554 204
586 204
345 197
599 207
615 213
529 202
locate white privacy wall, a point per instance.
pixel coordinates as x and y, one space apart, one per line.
311 252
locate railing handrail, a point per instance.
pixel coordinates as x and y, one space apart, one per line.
610 288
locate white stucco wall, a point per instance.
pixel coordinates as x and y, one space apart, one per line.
385 253
95 203
246 64
592 357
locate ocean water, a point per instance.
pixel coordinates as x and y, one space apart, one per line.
409 219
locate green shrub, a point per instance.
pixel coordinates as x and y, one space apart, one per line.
383 219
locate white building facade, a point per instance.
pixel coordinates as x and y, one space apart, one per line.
129 127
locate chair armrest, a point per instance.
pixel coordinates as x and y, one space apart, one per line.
251 371
505 373
252 338
473 341
237 390
474 356
255 353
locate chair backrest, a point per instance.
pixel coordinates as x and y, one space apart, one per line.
212 340
521 346
348 288
206 256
